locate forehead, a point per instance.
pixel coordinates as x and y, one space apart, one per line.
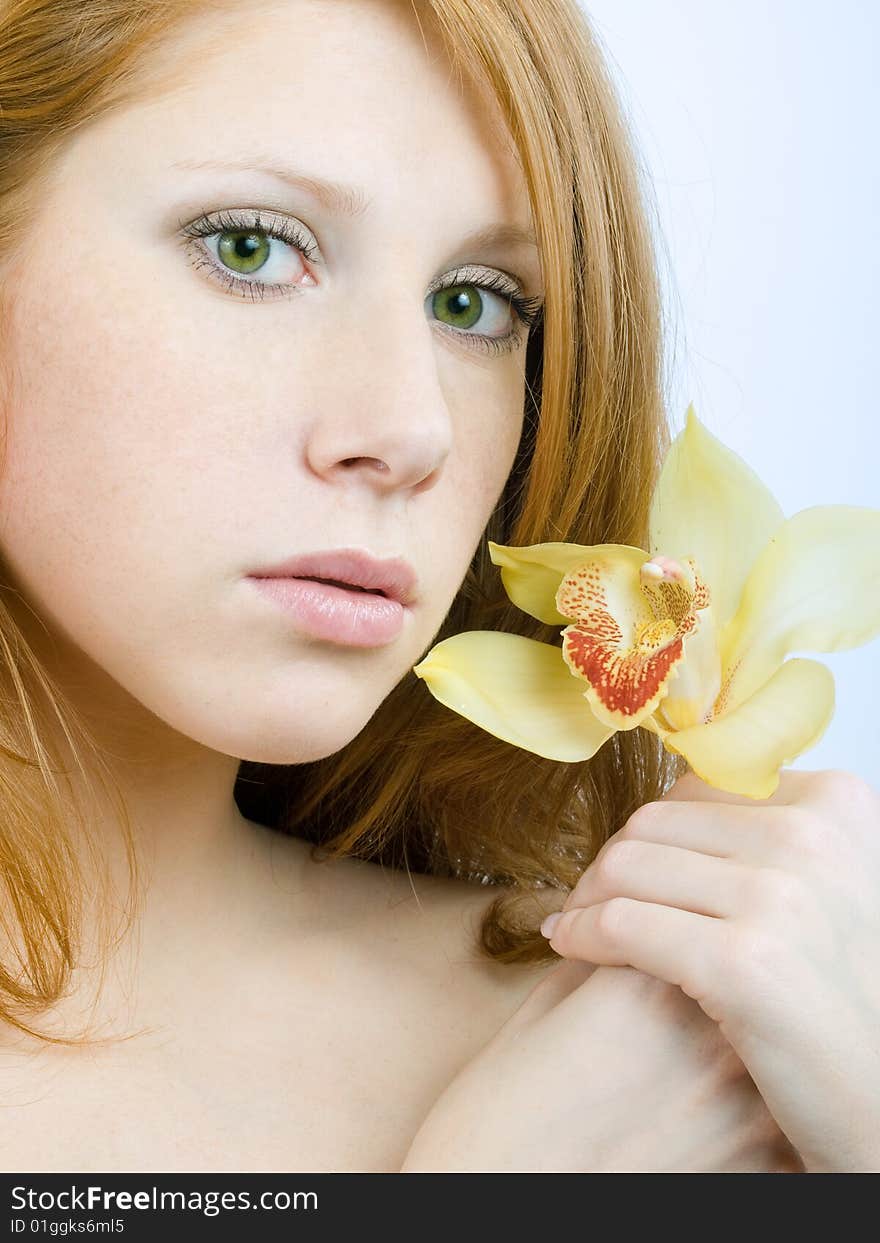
360 91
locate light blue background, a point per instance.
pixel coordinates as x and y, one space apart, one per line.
757 124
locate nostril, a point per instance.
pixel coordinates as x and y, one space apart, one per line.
377 462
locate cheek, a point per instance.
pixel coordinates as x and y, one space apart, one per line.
62 437
116 410
99 489
474 490
499 453
486 445
488 398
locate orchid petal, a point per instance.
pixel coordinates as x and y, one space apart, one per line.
531 575
708 504
678 591
627 641
517 689
743 751
815 587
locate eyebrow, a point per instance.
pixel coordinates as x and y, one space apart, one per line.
351 201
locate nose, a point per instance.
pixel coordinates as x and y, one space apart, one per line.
383 421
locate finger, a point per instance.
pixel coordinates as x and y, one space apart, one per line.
669 944
669 875
743 834
792 784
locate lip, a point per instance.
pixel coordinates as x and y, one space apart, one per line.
332 614
392 576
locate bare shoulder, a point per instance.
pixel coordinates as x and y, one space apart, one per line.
442 918
417 935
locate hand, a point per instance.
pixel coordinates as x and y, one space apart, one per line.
602 1070
767 913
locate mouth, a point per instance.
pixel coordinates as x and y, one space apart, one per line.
335 610
335 582
357 570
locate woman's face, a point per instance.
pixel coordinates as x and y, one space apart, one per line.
169 433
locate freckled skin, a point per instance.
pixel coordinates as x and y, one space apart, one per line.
168 435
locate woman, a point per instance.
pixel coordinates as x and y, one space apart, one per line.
268 289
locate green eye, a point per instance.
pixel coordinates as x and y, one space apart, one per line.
458 305
243 250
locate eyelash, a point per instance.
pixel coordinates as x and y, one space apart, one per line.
527 310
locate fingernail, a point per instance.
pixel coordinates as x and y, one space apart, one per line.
548 927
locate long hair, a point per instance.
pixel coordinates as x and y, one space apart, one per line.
420 787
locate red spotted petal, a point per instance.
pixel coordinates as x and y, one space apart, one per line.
628 640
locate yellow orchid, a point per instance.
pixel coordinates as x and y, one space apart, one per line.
688 640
